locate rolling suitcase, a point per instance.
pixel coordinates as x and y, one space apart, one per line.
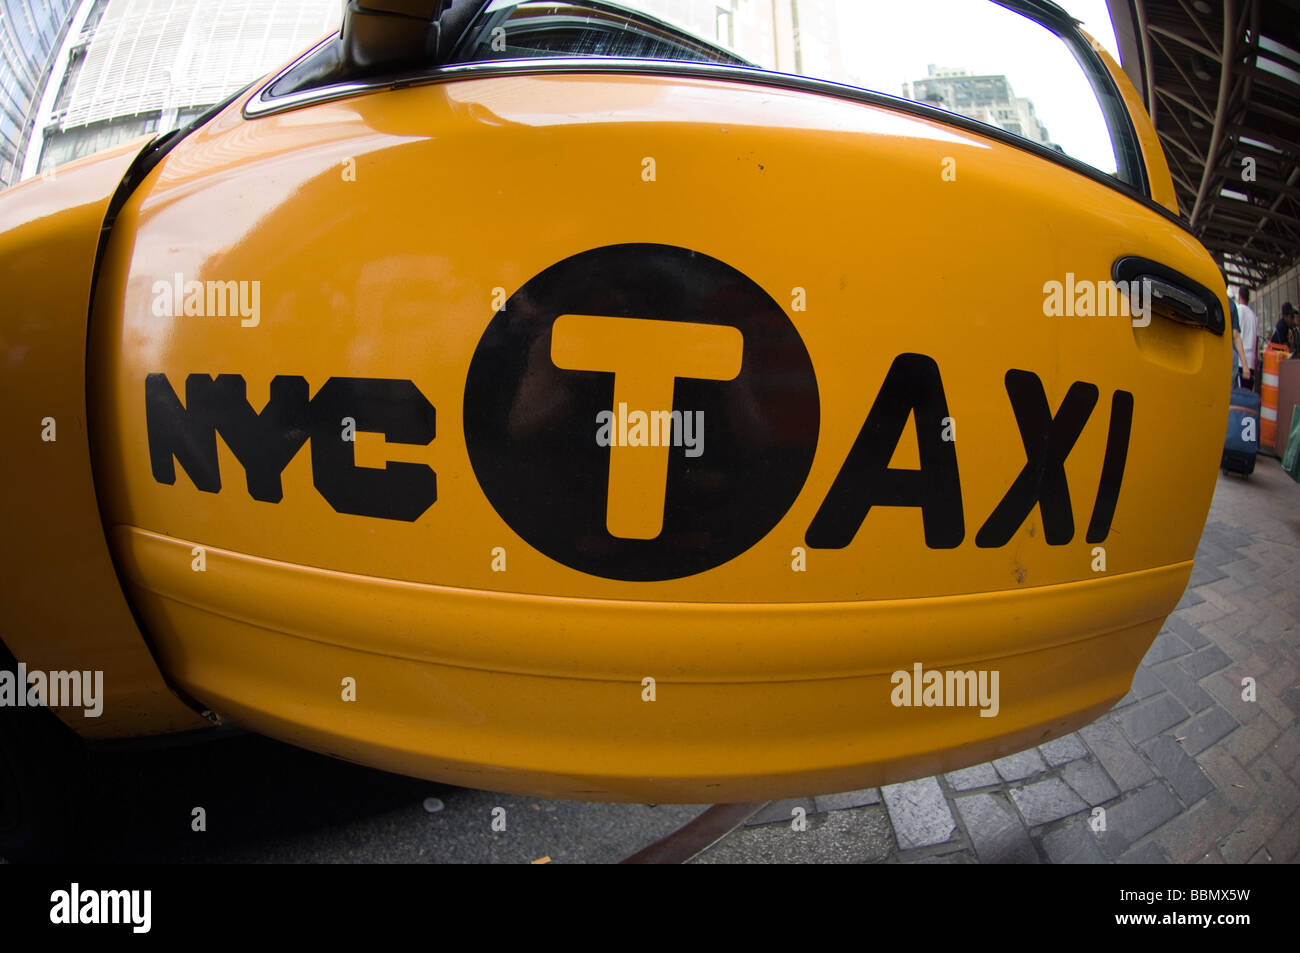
1242 441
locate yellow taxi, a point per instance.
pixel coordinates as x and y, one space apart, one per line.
540 397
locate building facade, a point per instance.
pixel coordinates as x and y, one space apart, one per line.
30 34
788 36
131 67
990 99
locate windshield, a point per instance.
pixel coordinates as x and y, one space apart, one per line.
971 58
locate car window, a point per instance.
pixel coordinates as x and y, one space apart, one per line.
528 29
972 58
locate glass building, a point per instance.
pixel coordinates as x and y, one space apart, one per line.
134 67
30 34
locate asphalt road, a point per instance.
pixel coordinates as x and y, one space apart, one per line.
269 802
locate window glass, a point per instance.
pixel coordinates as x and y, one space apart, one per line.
969 57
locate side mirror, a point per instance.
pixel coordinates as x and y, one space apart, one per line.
390 36
378 38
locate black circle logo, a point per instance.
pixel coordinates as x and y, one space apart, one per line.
641 412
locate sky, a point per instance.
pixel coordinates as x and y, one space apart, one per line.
984 38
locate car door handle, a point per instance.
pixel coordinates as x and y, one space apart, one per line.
1176 296
1171 294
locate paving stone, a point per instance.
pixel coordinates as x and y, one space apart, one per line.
953 857
1224 545
1120 759
1225 688
1281 677
1016 767
1128 701
1090 782
1285 844
1183 774
1280 793
979 776
1211 554
1138 814
840 837
1250 834
919 813
1073 843
1144 685
1186 631
1195 832
1182 686
1273 626
1063 750
1203 574
1232 632
1286 749
1249 741
1263 655
847 800
995 830
1166 646
1224 592
1148 853
1253 574
1150 718
1228 588
1045 801
778 812
1213 539
1234 535
1274 707
1205 612
1213 857
1206 660
1240 622
1253 599
1248 570
1232 781
1205 729
1245 565
1188 600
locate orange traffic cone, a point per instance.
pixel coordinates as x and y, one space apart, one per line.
1274 354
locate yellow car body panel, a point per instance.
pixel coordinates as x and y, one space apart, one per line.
64 606
387 230
513 693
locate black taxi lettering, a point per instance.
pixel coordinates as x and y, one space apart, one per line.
689 336
265 442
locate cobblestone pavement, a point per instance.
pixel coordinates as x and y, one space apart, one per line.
1184 769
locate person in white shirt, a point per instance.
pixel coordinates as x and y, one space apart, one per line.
1249 333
